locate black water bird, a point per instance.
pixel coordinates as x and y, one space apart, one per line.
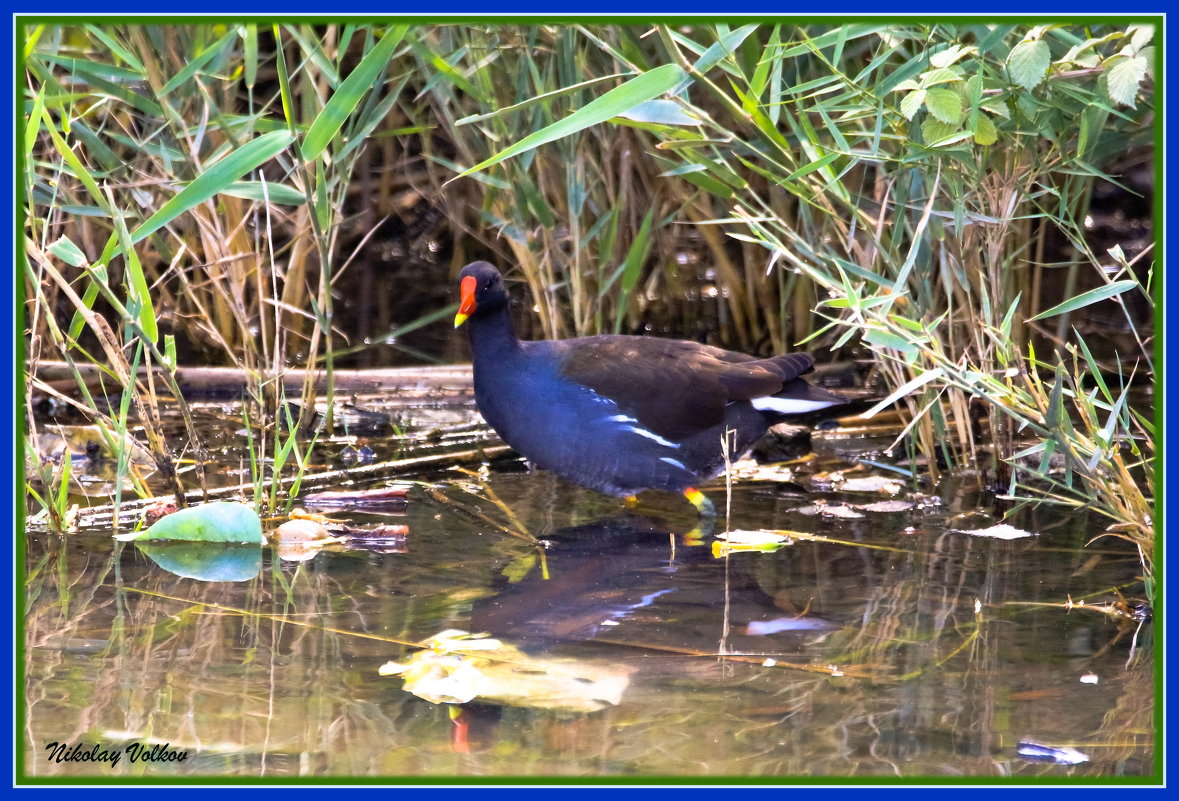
622 414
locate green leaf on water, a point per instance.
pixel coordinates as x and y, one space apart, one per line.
1028 63
1087 298
221 521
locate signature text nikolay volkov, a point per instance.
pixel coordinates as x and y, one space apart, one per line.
135 752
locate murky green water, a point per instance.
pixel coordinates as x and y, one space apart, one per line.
893 646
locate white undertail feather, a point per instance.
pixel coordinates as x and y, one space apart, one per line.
789 405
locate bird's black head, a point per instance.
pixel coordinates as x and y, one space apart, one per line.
481 289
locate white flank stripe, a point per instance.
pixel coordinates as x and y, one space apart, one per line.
642 432
788 405
673 462
621 418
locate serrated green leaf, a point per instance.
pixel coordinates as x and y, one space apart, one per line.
1124 79
984 130
911 102
940 75
1087 298
1083 52
1028 63
1147 55
906 85
944 104
935 131
996 106
1140 35
951 54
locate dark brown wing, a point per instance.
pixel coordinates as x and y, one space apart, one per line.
674 388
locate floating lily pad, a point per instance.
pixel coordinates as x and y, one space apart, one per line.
221 521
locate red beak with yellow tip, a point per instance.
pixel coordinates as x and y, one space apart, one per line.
466 300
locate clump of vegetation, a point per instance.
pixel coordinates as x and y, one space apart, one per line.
917 177
924 187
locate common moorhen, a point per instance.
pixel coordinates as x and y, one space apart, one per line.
623 414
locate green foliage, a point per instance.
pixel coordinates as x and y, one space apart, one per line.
155 168
1029 61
